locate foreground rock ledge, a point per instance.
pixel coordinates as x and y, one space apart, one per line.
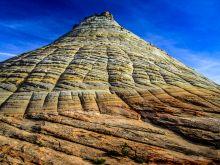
101 95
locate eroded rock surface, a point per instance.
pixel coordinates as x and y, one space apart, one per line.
101 94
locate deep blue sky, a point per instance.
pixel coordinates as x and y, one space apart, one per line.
188 30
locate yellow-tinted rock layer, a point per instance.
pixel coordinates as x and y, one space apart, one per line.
100 93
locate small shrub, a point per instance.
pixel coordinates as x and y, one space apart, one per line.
99 161
125 150
139 159
40 143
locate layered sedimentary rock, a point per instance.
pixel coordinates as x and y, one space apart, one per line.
100 94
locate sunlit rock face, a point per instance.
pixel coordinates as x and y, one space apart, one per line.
101 93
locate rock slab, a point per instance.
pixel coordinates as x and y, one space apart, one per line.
100 94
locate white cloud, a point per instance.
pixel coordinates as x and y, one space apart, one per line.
205 63
7 54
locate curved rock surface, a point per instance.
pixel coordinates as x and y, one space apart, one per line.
100 94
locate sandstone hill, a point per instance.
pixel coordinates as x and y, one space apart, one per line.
101 95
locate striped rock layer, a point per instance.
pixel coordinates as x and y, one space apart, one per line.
100 93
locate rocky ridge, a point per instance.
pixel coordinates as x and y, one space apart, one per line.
100 94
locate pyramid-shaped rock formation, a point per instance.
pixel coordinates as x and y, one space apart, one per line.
100 94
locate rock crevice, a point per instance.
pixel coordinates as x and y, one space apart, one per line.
101 93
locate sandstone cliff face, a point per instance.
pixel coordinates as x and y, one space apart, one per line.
100 94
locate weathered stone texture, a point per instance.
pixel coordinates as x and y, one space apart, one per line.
100 91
